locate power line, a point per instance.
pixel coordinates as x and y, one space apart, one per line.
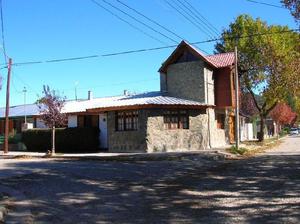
14 74
197 12
137 20
149 49
151 20
198 19
128 23
267 4
2 32
187 17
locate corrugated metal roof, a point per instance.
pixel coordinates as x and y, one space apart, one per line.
221 60
218 60
18 111
151 98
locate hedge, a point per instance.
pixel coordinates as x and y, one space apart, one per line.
68 140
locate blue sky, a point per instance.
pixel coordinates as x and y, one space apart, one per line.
48 29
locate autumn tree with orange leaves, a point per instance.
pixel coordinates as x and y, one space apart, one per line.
283 114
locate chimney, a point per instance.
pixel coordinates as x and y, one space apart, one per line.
90 95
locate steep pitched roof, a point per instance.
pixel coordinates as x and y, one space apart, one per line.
216 61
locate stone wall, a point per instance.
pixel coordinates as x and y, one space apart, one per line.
161 139
127 141
163 82
186 80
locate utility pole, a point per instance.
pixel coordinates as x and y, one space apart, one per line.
25 117
76 84
237 92
7 106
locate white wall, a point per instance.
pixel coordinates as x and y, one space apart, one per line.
217 136
72 121
209 86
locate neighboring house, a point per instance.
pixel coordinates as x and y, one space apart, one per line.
17 118
194 109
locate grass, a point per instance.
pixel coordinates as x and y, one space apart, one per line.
240 151
254 147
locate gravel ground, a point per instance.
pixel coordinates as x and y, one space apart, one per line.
263 189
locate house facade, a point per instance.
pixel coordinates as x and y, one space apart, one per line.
194 109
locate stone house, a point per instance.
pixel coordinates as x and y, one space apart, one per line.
194 109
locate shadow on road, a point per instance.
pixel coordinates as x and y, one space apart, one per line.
259 190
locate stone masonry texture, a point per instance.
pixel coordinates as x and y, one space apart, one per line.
186 80
161 140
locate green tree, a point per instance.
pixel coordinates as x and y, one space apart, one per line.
264 61
294 7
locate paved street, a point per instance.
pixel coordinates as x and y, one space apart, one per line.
264 189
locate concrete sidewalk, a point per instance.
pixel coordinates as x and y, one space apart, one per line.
106 156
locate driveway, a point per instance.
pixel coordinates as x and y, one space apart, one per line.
263 189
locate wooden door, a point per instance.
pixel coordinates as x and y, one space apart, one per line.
231 129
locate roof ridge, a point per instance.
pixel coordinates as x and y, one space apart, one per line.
211 55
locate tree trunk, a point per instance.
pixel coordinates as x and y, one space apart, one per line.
261 136
53 141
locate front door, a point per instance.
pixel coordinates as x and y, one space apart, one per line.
103 131
231 129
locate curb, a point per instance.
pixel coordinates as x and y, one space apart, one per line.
167 156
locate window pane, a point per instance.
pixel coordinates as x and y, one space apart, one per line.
127 121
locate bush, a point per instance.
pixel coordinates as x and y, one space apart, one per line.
14 139
239 151
68 140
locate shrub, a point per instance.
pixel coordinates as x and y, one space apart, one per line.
14 139
239 151
68 140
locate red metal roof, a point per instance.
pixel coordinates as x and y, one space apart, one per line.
221 60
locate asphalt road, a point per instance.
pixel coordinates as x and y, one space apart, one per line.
263 189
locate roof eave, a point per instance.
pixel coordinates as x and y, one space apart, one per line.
148 106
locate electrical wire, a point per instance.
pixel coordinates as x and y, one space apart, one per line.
197 19
137 20
267 4
2 32
203 17
128 23
151 20
187 17
147 49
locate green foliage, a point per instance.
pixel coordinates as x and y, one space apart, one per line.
268 64
14 139
236 151
294 7
284 132
68 140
